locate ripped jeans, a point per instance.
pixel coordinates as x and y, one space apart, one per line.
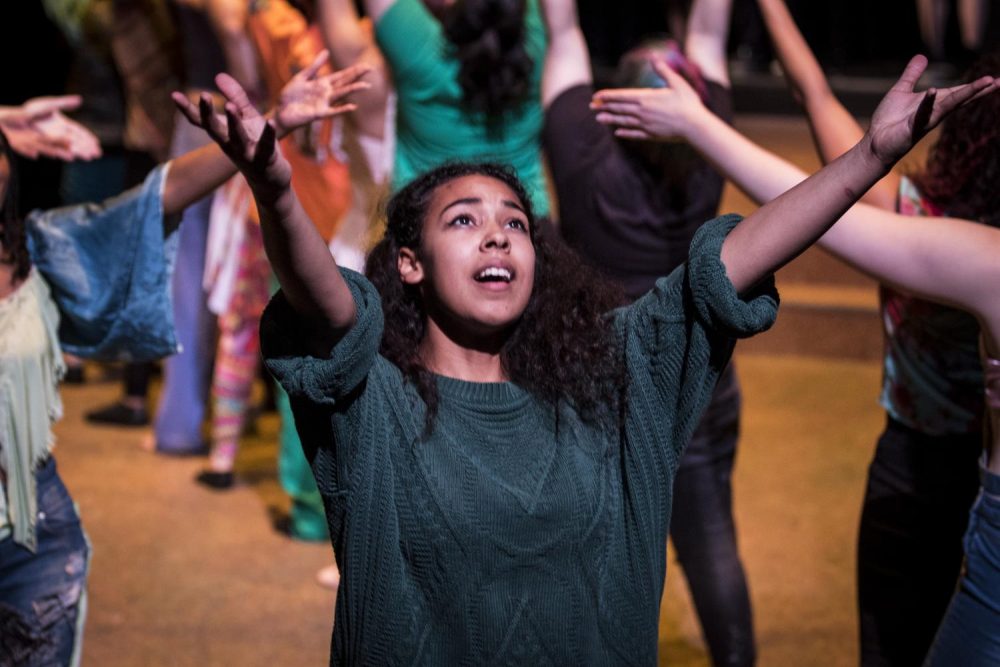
43 594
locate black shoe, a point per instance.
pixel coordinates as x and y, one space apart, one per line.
200 450
119 414
217 481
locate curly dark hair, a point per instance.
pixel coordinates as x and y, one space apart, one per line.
561 349
962 172
488 40
12 233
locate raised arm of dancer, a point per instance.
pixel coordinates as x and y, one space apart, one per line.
784 227
707 34
350 40
567 62
305 268
228 19
834 129
38 127
662 114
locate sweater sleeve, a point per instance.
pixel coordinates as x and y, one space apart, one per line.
678 338
343 404
322 381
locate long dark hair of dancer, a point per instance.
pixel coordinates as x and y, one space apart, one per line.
962 173
488 38
12 235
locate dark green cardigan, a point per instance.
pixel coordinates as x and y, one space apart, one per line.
510 534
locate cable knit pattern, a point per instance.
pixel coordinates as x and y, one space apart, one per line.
513 533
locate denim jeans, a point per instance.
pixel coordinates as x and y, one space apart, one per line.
43 594
704 534
970 632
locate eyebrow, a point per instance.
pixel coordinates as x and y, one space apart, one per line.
510 203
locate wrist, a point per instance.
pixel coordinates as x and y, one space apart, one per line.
867 152
699 128
280 131
267 192
272 183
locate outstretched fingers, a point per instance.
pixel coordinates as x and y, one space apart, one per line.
312 70
209 121
956 96
43 106
343 91
82 142
233 92
184 105
616 95
914 70
617 119
349 76
238 138
266 148
332 111
619 107
631 133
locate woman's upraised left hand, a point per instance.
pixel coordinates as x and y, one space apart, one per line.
904 116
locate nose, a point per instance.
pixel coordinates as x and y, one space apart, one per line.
496 238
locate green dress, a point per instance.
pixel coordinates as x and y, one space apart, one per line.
432 125
512 533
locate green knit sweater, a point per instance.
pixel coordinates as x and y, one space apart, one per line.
510 534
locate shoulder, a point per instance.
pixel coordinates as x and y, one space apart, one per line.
575 143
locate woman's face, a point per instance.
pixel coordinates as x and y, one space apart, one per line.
476 263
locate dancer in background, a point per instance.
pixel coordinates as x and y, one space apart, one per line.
468 80
238 278
632 210
93 280
933 16
549 542
923 476
124 66
945 259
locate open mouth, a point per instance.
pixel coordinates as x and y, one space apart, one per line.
494 274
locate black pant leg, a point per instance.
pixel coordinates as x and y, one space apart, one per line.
915 512
704 533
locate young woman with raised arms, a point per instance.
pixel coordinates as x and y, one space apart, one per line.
496 451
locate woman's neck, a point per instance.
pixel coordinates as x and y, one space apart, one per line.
475 360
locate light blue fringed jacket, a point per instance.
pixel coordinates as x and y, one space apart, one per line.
100 288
